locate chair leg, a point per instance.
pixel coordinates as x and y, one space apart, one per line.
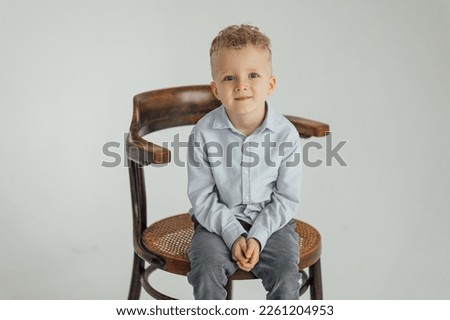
315 276
229 288
135 285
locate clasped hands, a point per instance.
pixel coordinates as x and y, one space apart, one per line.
246 253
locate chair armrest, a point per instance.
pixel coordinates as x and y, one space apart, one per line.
309 128
144 152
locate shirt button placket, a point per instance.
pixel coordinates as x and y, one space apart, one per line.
245 184
245 174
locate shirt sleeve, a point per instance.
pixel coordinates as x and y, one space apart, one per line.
285 198
207 208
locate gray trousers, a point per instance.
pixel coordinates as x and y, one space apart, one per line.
211 265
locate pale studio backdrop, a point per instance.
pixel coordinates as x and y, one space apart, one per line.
377 71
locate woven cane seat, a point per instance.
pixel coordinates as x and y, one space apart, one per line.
170 239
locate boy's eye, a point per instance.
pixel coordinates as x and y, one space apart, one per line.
253 75
228 78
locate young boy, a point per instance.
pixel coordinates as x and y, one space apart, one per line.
244 174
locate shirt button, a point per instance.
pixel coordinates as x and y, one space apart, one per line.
246 198
245 171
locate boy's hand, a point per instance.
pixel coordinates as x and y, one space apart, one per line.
249 256
252 253
238 250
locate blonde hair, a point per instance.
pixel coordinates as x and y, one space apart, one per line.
238 37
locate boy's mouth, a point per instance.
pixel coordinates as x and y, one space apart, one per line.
242 98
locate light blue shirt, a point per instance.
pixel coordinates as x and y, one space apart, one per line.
253 178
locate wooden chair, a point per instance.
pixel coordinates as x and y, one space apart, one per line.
163 245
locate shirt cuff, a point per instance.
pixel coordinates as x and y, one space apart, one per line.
259 234
232 232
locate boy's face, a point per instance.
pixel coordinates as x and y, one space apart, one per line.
242 79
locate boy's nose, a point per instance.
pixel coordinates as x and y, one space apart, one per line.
240 86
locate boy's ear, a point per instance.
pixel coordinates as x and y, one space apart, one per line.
272 85
214 90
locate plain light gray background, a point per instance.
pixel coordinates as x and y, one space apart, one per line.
377 71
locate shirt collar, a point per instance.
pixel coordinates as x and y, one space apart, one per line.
270 122
221 120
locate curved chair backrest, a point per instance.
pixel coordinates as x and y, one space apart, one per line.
166 108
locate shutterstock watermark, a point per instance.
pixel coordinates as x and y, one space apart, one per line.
252 153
